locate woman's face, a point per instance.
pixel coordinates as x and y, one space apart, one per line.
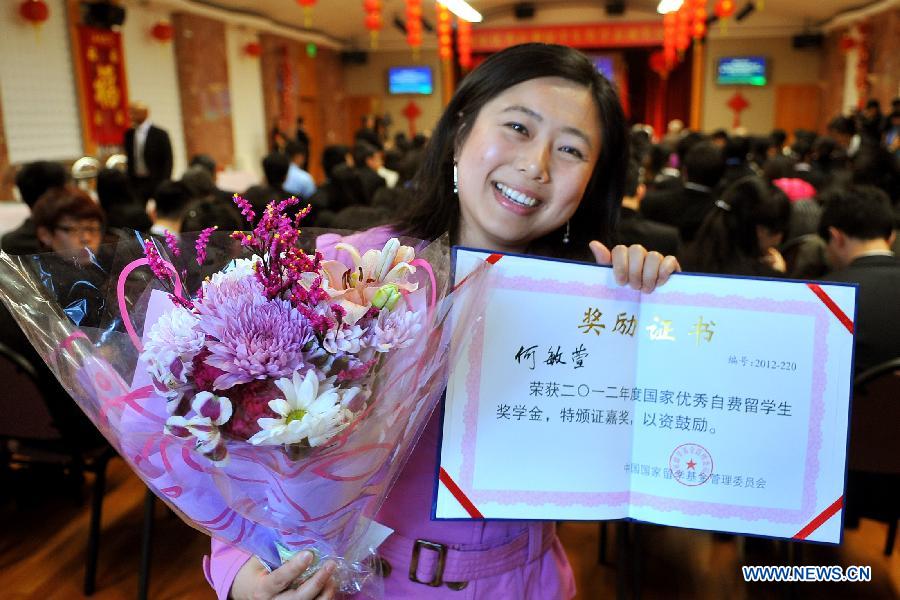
525 164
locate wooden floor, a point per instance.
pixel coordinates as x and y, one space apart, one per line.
44 537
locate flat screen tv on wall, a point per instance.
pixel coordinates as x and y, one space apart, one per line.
410 80
742 70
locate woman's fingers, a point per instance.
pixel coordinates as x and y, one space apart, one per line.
637 257
669 265
317 587
282 577
620 264
601 253
650 273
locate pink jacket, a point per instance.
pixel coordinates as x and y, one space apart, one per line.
498 559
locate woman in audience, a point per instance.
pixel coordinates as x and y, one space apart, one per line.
740 235
528 157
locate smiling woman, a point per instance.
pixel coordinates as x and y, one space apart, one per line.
528 157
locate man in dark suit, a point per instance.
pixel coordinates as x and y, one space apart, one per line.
685 209
149 152
857 223
633 227
368 159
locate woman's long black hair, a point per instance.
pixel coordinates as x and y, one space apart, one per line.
434 209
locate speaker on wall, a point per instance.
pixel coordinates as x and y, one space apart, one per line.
103 15
354 57
523 10
808 40
615 8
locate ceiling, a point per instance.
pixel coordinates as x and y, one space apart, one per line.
341 21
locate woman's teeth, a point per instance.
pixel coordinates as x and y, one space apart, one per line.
514 196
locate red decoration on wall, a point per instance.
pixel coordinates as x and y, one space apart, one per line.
846 44
162 31
373 21
738 104
724 9
412 112
34 11
253 49
486 40
670 29
103 84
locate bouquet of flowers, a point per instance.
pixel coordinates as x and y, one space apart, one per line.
274 406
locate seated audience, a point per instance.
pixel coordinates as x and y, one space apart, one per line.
275 168
686 208
298 182
122 207
169 201
368 159
857 225
32 180
208 163
740 234
636 229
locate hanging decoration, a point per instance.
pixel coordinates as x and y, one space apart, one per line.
847 43
445 32
670 32
34 11
698 23
373 21
658 64
307 11
464 43
737 103
412 112
723 10
414 25
683 31
253 49
162 31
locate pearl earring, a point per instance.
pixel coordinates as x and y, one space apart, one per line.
455 178
565 239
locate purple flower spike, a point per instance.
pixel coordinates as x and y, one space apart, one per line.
157 265
203 241
172 243
246 208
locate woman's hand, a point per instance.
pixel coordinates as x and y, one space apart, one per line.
775 260
253 582
635 266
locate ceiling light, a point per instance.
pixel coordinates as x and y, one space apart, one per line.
463 10
667 6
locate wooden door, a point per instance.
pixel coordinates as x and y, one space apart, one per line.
797 107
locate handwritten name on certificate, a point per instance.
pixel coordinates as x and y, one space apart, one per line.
714 402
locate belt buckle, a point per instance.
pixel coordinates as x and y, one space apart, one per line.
437 578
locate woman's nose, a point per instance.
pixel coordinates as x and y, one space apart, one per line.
535 161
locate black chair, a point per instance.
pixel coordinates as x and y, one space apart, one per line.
32 431
873 486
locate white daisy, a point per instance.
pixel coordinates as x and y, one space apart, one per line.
309 411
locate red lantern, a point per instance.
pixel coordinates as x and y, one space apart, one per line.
307 11
253 49
444 31
414 24
847 43
464 43
724 8
34 11
162 31
373 21
658 64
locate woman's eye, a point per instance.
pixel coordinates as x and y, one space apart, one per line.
573 151
518 127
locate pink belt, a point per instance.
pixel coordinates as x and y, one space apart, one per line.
433 563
